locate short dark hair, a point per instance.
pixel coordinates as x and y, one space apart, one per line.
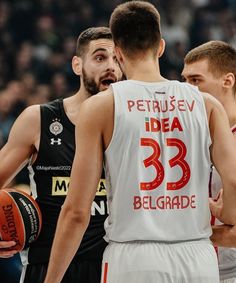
90 34
135 27
220 55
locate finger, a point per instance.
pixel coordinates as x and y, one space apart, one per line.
219 197
214 207
211 200
7 254
7 244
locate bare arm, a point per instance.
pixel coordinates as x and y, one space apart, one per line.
223 154
21 144
85 175
224 236
15 154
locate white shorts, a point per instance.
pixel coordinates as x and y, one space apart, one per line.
231 280
149 262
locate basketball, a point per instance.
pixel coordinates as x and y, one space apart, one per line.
20 218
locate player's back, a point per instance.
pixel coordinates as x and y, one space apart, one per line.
158 163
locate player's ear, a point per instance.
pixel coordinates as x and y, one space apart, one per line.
119 54
161 48
229 80
77 65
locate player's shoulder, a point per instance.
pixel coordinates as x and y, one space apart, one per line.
187 88
31 113
28 122
213 106
54 104
211 102
26 128
99 101
98 107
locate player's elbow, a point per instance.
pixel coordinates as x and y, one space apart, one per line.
77 216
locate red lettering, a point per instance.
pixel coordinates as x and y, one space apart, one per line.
160 202
168 203
140 106
163 106
176 125
137 202
175 202
130 104
155 106
184 201
155 125
152 160
164 202
179 160
146 202
190 106
148 105
165 125
147 127
181 105
192 201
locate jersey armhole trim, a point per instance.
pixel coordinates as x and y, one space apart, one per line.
115 124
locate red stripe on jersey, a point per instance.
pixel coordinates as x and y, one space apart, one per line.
210 182
105 272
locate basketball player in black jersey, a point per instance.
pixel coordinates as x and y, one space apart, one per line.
43 137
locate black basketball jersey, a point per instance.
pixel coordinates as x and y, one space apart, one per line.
49 180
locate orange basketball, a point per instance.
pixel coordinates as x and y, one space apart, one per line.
20 218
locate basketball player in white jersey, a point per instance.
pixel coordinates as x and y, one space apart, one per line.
212 67
157 137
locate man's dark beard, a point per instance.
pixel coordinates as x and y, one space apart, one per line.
90 84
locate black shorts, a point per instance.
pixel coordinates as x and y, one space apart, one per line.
84 271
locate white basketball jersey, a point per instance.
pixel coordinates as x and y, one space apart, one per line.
158 163
227 256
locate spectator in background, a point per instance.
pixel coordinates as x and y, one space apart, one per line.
6 117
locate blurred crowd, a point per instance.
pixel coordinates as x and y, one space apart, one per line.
38 38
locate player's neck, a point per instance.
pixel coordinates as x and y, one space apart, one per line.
230 108
147 71
72 105
232 116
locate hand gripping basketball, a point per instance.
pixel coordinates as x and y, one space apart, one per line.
20 218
